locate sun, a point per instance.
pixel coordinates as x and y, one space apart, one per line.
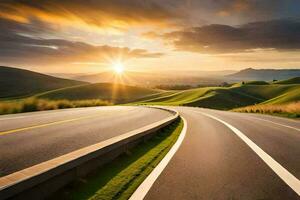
118 67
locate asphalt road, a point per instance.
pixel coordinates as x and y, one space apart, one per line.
213 162
31 138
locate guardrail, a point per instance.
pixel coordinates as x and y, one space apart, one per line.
42 180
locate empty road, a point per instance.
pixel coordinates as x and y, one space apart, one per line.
216 160
31 138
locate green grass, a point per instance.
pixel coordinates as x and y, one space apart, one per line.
20 83
116 93
33 104
226 98
120 178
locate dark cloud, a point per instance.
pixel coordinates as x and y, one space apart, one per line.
276 34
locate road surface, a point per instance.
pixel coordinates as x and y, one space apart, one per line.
31 138
213 162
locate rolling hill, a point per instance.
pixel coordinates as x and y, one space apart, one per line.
15 83
115 93
295 80
226 98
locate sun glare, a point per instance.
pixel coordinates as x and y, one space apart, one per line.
118 67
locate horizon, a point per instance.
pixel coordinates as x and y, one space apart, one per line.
70 37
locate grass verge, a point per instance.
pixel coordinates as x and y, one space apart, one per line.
291 110
120 178
34 104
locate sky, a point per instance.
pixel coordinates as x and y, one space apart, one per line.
88 36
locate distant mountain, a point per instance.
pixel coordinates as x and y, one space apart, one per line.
150 79
16 82
264 74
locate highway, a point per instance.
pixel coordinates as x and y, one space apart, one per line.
30 138
217 161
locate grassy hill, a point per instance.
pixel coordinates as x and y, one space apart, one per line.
115 93
226 98
295 80
15 83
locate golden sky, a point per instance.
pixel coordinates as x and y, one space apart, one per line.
76 36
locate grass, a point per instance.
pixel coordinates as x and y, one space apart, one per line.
34 104
227 98
295 80
288 110
116 93
120 178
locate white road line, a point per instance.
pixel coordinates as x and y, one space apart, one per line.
284 174
146 185
291 127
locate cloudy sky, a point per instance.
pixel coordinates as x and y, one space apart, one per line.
79 36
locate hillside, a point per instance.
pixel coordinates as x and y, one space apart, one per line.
225 98
16 83
295 80
115 93
264 74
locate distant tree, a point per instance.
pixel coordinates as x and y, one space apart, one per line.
243 83
274 80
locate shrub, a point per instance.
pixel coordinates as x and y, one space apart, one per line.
33 104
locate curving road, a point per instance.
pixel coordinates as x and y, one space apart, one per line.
216 161
31 138
224 155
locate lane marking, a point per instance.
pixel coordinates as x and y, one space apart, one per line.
53 123
44 125
146 185
60 122
58 111
284 174
291 127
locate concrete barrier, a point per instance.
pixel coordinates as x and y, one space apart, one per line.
42 180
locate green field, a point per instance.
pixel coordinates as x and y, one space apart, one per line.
115 93
238 95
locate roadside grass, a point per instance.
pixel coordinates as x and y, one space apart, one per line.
291 110
120 178
34 104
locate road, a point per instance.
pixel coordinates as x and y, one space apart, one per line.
214 162
31 138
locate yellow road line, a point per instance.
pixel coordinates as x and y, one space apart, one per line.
44 125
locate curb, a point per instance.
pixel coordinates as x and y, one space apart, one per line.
42 180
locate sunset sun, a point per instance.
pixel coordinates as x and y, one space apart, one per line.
118 67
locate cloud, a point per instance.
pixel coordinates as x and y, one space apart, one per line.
102 14
282 35
18 46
